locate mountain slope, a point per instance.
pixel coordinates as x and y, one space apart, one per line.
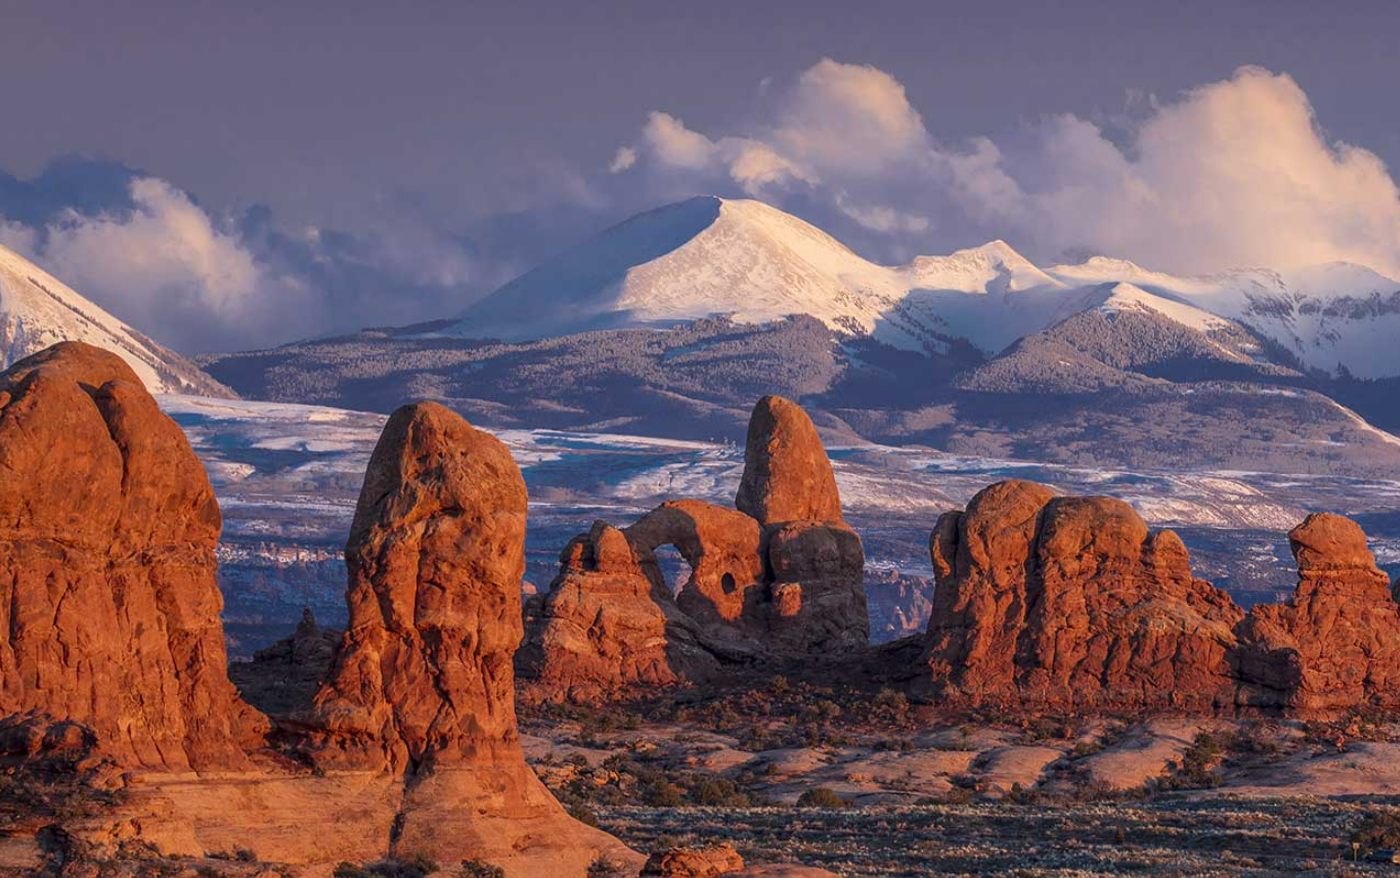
710 256
1332 317
1121 336
37 310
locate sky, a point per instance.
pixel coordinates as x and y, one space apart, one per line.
229 176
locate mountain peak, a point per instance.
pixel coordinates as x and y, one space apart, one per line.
991 267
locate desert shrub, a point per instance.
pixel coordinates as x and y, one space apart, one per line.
1046 728
1082 749
1255 739
479 869
583 814
820 797
602 867
1197 770
1380 829
1019 795
662 794
717 791
417 866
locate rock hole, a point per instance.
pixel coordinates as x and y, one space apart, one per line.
674 567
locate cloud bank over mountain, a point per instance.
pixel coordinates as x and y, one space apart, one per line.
201 280
1233 173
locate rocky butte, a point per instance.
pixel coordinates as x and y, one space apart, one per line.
779 577
1071 603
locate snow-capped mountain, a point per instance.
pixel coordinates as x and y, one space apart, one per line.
709 256
37 310
743 258
1330 316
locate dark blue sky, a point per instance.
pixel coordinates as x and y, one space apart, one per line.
491 126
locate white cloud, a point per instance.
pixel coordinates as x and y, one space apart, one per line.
19 238
166 249
849 118
1234 173
168 269
199 282
672 143
624 158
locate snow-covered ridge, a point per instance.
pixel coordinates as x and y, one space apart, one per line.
37 310
709 256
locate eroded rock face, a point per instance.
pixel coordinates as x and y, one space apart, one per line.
1336 642
781 578
1071 602
108 600
422 689
787 476
724 550
435 556
606 628
817 599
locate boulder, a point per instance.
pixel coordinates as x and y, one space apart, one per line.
1070 603
108 600
693 862
787 476
1336 643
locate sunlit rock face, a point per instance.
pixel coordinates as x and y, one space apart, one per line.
110 609
1070 602
422 690
1336 643
779 578
1046 602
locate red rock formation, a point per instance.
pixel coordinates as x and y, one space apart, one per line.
724 550
1336 643
606 628
787 476
435 556
423 688
283 677
693 862
108 600
817 602
783 578
1071 603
